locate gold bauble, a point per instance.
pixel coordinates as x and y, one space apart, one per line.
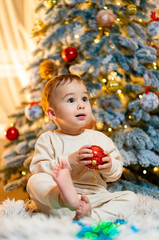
112 86
131 9
47 69
51 3
105 18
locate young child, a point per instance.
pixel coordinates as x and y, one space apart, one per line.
61 181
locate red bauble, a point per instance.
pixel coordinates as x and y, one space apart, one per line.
98 154
12 133
69 54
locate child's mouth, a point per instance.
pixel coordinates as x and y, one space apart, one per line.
81 116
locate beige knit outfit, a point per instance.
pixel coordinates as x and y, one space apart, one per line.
50 148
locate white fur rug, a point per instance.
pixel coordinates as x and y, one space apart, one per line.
19 223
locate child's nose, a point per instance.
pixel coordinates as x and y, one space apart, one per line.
80 105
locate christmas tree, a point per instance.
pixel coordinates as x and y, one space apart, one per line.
114 47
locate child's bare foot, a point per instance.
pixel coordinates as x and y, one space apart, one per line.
68 195
84 208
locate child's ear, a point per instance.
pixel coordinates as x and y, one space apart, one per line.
50 113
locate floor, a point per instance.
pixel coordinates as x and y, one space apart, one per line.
16 194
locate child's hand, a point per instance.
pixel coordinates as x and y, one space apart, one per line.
77 158
107 162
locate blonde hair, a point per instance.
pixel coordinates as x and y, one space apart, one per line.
52 84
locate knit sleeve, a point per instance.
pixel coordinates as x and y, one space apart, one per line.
44 155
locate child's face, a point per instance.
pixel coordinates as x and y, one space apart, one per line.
71 107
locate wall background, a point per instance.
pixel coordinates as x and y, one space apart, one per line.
16 23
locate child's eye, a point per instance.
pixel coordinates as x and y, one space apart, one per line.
84 99
70 100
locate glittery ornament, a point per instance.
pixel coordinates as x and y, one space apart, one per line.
105 18
149 101
131 9
33 111
98 154
47 69
69 54
12 133
153 29
112 85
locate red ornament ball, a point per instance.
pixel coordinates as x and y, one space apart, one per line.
69 54
98 154
105 18
12 133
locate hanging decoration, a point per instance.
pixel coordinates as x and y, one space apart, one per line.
153 30
153 17
69 54
12 133
153 26
47 69
98 154
33 111
131 9
112 86
149 101
105 18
